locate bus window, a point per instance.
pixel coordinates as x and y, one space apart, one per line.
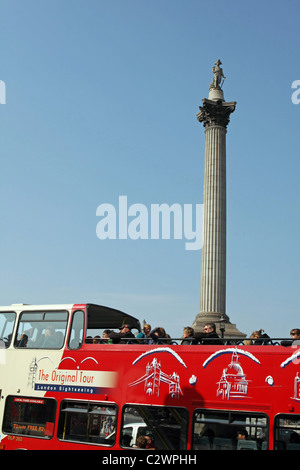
166 427
7 321
32 417
91 423
287 432
76 335
229 430
41 330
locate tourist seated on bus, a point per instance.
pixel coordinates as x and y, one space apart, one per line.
295 335
188 336
96 339
144 336
125 335
144 442
255 336
260 337
49 339
23 341
242 434
105 336
209 335
150 442
141 442
158 334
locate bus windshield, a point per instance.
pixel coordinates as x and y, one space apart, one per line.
41 330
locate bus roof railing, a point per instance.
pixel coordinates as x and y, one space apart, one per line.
233 341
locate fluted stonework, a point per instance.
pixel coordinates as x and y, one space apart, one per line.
214 114
213 261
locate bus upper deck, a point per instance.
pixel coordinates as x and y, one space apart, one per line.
59 391
35 326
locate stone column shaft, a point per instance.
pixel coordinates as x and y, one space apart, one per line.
213 257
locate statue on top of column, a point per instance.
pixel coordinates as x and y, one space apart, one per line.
218 76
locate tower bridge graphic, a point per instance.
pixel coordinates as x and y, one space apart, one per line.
154 377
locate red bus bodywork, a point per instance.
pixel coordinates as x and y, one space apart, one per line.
194 378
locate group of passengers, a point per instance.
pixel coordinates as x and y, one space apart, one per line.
261 338
209 336
125 335
157 335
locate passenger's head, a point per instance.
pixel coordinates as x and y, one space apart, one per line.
209 327
161 332
141 442
106 333
125 328
295 333
188 331
242 434
49 330
256 334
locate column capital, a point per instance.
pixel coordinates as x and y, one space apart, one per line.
215 113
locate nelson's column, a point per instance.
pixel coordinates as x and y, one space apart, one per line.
215 114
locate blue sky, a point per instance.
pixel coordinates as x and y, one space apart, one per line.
101 101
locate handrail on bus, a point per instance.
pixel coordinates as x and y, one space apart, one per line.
230 341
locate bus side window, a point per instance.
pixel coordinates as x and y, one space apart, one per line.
287 435
230 430
93 423
76 334
165 427
7 321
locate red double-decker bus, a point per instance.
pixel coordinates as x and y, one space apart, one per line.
61 391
